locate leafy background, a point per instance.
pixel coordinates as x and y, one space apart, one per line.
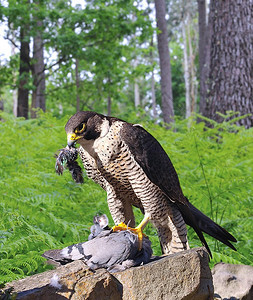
40 210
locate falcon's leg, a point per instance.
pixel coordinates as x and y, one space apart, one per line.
165 236
120 209
137 230
172 231
177 226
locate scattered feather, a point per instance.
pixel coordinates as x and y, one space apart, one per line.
54 282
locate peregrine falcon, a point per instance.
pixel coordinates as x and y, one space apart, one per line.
134 170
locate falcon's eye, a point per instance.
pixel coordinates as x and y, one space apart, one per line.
80 128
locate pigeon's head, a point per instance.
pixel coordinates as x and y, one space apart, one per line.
100 224
102 221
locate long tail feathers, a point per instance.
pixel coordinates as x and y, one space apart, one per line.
200 222
208 226
191 220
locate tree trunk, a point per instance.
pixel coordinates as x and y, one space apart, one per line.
164 58
1 105
39 80
15 102
153 97
186 72
136 88
189 41
192 54
24 67
231 60
77 86
14 94
202 52
136 94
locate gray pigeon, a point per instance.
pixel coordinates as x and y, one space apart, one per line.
114 251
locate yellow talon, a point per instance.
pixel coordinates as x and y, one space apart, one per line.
120 227
138 231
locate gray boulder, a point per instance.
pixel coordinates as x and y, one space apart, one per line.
233 282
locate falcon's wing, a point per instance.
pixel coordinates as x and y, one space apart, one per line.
154 161
156 164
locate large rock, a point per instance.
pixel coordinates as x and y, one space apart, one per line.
233 282
184 275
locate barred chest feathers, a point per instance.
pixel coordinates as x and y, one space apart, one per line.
107 145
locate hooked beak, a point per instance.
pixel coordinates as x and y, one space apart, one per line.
72 138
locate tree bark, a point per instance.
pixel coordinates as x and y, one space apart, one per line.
231 60
39 80
136 88
164 58
192 55
24 68
202 52
14 94
186 72
153 97
189 42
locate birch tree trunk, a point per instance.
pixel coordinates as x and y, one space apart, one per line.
136 88
231 60
191 37
164 58
189 41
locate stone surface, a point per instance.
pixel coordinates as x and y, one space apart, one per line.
184 275
233 282
38 286
101 285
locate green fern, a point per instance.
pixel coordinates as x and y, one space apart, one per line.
40 210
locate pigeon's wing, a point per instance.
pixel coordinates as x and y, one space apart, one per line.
105 250
112 249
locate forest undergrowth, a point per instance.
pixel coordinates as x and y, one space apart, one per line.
40 210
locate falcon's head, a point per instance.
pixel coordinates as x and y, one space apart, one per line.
86 126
